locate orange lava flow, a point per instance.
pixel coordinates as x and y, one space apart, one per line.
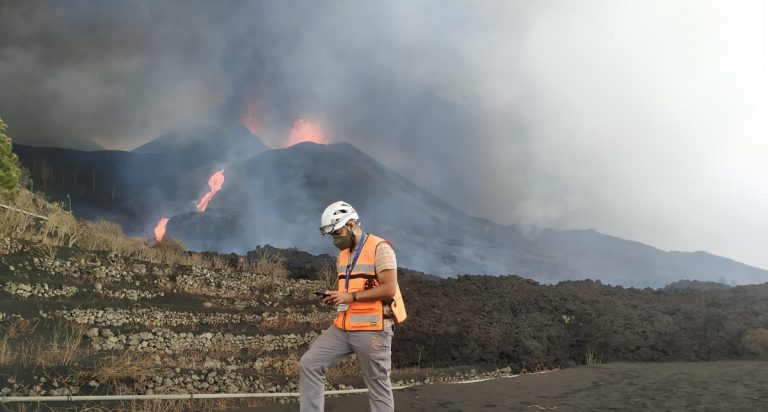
215 182
305 131
160 229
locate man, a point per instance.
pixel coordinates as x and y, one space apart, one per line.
368 304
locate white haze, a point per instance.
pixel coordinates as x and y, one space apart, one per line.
643 120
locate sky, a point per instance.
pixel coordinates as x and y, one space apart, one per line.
642 120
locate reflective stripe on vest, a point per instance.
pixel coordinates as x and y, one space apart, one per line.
364 315
360 267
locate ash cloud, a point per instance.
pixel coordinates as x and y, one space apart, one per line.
603 114
79 74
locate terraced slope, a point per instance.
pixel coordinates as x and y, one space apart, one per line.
76 321
189 328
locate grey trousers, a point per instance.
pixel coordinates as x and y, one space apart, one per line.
374 353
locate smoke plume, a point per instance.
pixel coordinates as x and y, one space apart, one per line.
626 117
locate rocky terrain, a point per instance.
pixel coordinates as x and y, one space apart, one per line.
78 322
85 310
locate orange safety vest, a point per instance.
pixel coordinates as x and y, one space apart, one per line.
365 315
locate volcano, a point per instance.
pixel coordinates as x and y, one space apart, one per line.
167 175
276 198
204 144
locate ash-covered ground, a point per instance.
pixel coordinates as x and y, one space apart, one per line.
79 321
509 320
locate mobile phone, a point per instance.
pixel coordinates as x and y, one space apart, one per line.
321 293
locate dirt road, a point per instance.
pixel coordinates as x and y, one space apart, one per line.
674 386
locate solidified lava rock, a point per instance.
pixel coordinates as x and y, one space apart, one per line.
512 320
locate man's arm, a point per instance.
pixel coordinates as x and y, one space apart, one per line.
386 265
385 290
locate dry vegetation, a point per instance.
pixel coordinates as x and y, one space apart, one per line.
16 328
592 357
19 344
7 354
208 405
22 226
348 367
197 358
198 405
62 348
270 263
283 365
53 347
12 330
60 228
123 366
329 275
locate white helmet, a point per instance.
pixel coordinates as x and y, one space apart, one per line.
335 216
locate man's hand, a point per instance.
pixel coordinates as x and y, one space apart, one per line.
335 297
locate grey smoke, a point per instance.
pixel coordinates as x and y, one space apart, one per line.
640 119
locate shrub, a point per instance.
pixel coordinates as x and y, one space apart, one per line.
329 276
170 245
123 366
7 354
272 264
9 165
756 341
63 228
63 349
592 357
24 225
105 235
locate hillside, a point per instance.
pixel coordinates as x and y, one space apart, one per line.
86 310
96 181
109 323
224 142
277 196
136 188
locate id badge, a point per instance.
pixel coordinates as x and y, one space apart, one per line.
342 307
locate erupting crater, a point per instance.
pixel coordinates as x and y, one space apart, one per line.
305 131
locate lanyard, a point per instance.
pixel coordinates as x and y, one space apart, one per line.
351 265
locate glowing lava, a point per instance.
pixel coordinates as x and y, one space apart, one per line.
215 182
305 131
251 118
160 229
